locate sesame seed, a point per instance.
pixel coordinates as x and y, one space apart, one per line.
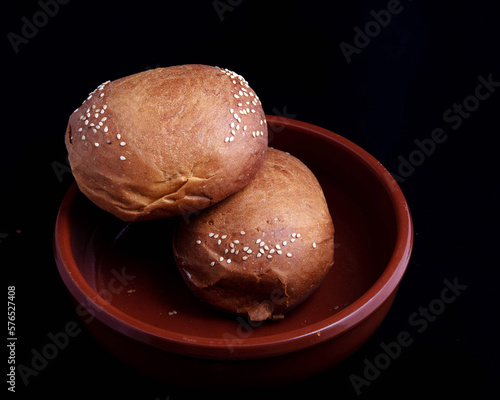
102 111
80 129
279 252
298 235
236 96
212 263
278 246
104 106
245 248
210 234
104 118
96 144
231 245
284 243
288 254
261 251
242 232
96 115
235 116
231 110
269 256
122 158
198 242
226 140
271 251
226 251
236 241
292 240
102 94
232 124
118 136
216 236
83 137
262 244
314 244
223 236
249 251
231 138
88 115
232 251
86 122
244 258
229 261
259 255
266 247
294 234
105 129
219 241
221 259
257 241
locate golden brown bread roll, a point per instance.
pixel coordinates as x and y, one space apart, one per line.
167 141
263 250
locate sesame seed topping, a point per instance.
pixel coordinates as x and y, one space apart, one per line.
269 256
249 251
122 158
294 234
102 94
231 110
226 140
242 232
244 258
236 241
223 236
245 248
261 251
198 242
80 129
212 263
284 243
231 138
292 240
118 136
210 234
314 244
96 115
229 261
298 235
83 137
257 241
105 129
279 252
278 246
104 106
236 96
262 244
219 241
259 254
271 251
96 144
216 236
288 254
231 245
221 259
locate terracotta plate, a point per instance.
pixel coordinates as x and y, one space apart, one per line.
127 289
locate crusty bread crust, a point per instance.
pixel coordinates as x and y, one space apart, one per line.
167 141
263 250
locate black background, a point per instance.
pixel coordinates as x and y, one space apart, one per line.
394 92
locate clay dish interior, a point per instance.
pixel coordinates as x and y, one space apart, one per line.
126 287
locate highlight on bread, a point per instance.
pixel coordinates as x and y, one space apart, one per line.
167 141
263 250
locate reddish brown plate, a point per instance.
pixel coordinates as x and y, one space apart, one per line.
127 289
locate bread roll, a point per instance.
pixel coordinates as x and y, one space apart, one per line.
263 250
166 141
